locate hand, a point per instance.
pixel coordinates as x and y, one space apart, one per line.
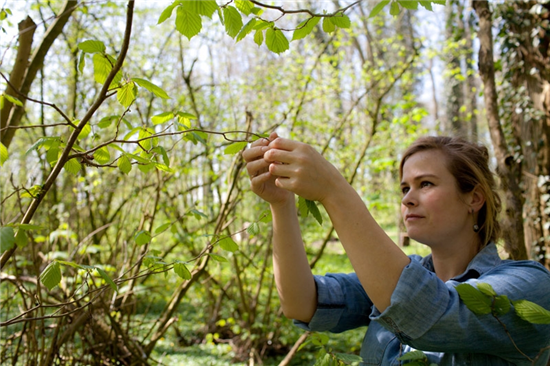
299 168
262 181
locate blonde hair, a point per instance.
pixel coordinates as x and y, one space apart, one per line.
469 164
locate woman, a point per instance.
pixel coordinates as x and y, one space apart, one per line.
449 203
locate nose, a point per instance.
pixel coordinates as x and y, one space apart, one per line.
409 199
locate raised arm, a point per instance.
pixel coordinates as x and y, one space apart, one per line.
377 261
293 276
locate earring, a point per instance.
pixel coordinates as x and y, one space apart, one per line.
476 228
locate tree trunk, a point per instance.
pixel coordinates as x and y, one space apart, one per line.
508 168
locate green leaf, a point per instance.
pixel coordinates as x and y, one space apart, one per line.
3 154
426 4
21 238
348 358
124 164
312 207
200 7
531 312
197 214
85 131
305 28
102 155
72 166
164 168
2 101
92 46
142 237
319 339
259 37
408 4
474 299
33 192
486 289
262 24
7 238
394 9
181 270
218 258
102 67
71 264
413 356
127 94
51 275
162 117
253 229
245 6
235 147
233 21
246 29
29 227
302 207
341 21
276 41
162 152
376 10
501 305
106 121
13 99
159 92
166 13
82 62
257 11
187 23
107 279
266 216
328 26
228 244
162 228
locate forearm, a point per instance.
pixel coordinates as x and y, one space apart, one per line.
377 261
293 276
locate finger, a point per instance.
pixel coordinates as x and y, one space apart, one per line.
284 144
283 156
281 170
256 167
254 153
260 179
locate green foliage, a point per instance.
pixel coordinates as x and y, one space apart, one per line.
3 154
235 148
531 312
7 238
51 275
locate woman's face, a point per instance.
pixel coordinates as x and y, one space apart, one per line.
435 212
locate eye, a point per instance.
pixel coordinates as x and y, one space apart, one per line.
425 184
404 190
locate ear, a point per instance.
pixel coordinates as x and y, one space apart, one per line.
477 199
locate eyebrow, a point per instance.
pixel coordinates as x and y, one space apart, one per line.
420 177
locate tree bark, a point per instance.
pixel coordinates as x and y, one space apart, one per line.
508 168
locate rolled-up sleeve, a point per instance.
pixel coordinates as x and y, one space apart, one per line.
342 304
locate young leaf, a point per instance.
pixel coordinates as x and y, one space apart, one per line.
142 237
124 164
187 23
305 28
228 244
394 9
408 4
266 216
246 29
27 227
374 12
348 358
151 87
181 270
197 214
328 26
92 46
501 305
82 62
302 207
166 13
3 154
426 4
7 238
85 131
102 67
486 289
235 147
102 155
200 7
127 94
218 258
13 99
72 166
163 167
106 121
162 152
474 299
162 228
413 356
233 21
51 275
245 6
531 312
276 41
107 279
312 207
21 238
162 117
259 37
341 21
253 229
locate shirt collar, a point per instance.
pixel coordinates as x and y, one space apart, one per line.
485 260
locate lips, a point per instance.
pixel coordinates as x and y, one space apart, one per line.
413 217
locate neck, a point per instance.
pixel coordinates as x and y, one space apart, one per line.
450 262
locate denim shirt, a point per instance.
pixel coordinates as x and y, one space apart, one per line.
427 314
